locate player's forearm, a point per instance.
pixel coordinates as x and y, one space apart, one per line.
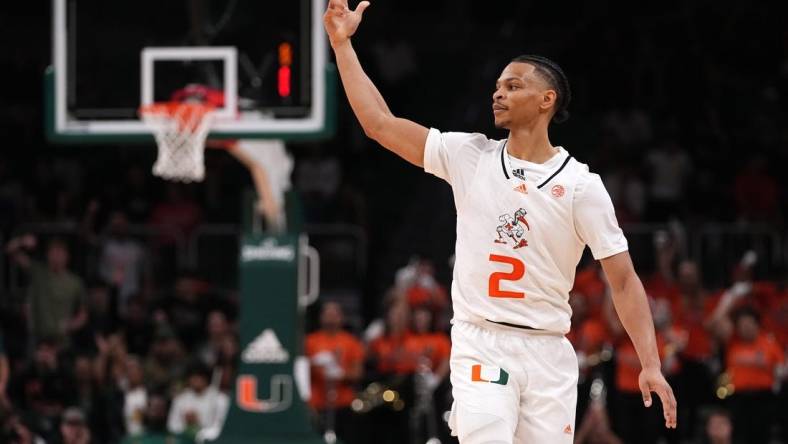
633 310
368 105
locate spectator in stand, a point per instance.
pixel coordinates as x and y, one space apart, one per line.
388 354
337 360
199 407
135 397
719 429
391 364
99 387
220 349
14 430
628 193
175 218
216 329
591 336
591 285
187 309
661 284
55 295
594 427
103 316
122 262
429 347
634 423
43 388
418 284
671 169
752 358
137 327
88 397
74 427
692 311
111 359
164 363
177 215
592 342
155 424
778 317
227 361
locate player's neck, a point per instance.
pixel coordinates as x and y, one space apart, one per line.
530 144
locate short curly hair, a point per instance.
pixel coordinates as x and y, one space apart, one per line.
554 76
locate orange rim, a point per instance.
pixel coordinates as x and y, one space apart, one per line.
188 115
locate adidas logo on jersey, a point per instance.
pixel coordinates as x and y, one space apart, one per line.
568 429
521 188
519 173
265 349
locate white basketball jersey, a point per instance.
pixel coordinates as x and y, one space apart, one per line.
521 229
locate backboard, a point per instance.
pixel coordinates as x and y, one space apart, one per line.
111 58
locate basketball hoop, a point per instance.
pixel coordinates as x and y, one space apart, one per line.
180 129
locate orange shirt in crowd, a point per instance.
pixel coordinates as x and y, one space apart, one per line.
776 319
628 365
591 287
692 319
435 346
764 296
432 298
391 354
751 365
348 352
589 336
658 287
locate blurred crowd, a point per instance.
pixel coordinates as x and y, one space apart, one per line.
96 359
102 361
722 349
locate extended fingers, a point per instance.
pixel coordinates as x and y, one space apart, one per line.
362 7
645 390
335 9
338 5
668 405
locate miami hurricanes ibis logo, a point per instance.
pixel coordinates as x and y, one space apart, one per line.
512 229
281 397
486 373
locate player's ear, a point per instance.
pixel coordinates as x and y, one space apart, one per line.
548 99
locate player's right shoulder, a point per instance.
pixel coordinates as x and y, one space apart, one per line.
458 140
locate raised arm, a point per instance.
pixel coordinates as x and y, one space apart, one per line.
401 136
17 249
631 304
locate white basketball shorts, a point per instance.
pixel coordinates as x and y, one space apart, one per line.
512 386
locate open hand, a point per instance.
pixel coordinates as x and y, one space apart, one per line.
652 380
340 22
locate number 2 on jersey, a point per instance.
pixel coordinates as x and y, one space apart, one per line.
517 273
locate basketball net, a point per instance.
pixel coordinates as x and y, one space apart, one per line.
180 129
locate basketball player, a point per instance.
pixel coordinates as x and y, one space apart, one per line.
513 372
